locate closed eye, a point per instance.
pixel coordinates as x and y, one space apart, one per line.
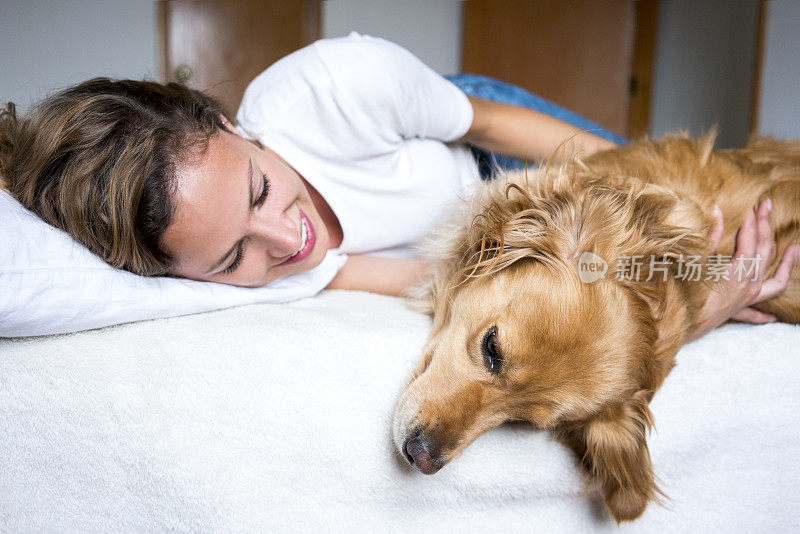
236 260
264 192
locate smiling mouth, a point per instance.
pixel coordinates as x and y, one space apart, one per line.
307 240
303 237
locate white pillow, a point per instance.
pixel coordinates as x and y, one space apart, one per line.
50 284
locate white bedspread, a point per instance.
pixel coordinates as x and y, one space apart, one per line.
277 418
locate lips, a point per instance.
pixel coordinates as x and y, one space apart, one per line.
310 238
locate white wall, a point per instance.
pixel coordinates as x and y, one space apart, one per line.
430 29
702 71
49 44
779 113
703 68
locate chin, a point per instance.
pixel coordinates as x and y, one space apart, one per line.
313 260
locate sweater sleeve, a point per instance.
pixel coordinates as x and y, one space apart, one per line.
393 90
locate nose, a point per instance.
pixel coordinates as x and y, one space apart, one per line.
422 454
281 234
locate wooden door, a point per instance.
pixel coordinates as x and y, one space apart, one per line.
592 57
221 45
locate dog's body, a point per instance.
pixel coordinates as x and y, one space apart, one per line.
518 334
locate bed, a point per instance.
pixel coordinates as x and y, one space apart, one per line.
276 418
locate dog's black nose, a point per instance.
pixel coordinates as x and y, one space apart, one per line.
422 455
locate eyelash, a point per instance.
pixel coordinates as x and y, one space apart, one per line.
236 260
240 251
264 192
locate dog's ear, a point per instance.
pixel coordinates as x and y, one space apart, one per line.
666 239
613 447
664 225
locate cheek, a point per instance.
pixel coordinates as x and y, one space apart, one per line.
250 273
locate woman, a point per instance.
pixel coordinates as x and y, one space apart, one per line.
347 146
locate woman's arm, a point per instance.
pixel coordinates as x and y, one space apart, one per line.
525 134
376 274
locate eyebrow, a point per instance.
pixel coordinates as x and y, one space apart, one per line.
236 245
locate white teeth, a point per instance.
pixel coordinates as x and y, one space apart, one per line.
303 236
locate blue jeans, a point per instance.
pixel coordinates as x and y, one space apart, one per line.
506 93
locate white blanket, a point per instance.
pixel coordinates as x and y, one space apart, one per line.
277 418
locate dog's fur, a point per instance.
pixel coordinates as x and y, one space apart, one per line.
583 359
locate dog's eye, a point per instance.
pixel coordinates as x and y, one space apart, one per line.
491 351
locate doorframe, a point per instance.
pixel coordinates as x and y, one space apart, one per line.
644 45
758 66
162 36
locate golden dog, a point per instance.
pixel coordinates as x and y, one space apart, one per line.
521 332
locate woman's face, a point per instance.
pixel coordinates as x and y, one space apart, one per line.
243 217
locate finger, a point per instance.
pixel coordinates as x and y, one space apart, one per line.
717 231
750 315
746 239
776 285
766 240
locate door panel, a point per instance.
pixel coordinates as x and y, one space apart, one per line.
220 46
577 53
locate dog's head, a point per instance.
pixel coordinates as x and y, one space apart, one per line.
522 333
